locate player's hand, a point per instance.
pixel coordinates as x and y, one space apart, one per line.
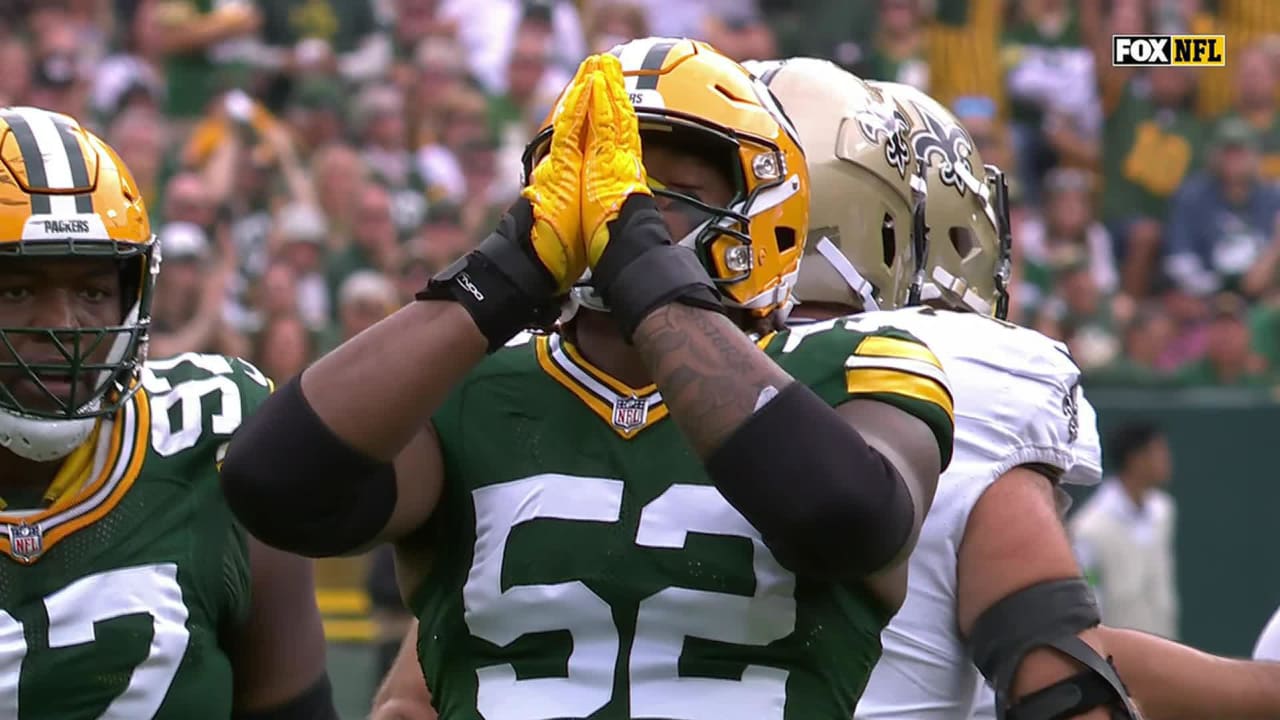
612 169
515 277
555 188
635 266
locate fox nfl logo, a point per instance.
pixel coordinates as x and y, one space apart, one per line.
1172 50
630 413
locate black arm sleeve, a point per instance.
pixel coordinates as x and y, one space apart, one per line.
298 487
827 504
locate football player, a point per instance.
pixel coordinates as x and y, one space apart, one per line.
992 579
127 589
647 513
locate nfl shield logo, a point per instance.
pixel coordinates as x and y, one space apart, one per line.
630 413
26 542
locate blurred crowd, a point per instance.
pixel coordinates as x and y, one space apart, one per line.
308 163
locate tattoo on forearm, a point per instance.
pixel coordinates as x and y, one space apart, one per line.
709 372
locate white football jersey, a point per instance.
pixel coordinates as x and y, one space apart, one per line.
1017 401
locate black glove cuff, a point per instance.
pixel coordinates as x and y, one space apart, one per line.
663 275
501 287
641 270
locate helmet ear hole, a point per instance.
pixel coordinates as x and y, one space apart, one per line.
785 237
888 237
962 240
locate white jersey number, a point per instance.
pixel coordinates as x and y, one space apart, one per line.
169 439
75 609
663 620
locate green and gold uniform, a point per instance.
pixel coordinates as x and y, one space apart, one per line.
588 568
113 602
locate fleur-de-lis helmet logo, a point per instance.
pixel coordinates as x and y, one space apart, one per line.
946 147
890 127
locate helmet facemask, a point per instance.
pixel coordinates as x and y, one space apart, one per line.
101 365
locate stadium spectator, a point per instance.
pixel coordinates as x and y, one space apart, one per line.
1052 98
1068 222
321 37
187 311
1146 336
374 243
896 52
1255 77
1223 221
379 122
284 348
300 244
1081 313
1150 141
1124 534
1229 358
187 34
614 22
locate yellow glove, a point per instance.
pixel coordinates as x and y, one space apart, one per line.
554 189
612 169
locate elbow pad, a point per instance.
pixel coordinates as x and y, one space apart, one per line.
297 486
1048 614
826 504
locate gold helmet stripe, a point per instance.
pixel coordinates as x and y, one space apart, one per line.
54 161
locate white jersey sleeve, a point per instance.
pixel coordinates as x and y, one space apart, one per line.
1268 647
1018 401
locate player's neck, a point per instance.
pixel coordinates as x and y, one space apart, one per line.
20 475
596 336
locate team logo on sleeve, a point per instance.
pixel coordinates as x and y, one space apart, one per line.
26 542
630 412
1071 409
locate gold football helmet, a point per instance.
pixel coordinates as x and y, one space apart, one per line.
64 193
688 94
968 261
866 214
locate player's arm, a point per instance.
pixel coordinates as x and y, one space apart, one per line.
403 694
344 457
1171 681
1024 608
825 497
278 653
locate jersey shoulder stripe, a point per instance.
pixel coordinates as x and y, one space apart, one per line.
849 358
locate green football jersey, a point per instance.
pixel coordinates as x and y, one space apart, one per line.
587 567
112 603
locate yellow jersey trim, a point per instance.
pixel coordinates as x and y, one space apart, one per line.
891 347
872 380
121 449
628 411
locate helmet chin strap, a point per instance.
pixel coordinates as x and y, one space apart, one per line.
45 440
860 285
